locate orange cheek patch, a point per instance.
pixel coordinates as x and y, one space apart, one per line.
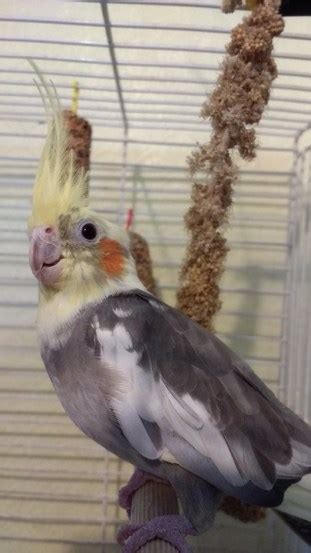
112 260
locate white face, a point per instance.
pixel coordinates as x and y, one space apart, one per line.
50 247
80 248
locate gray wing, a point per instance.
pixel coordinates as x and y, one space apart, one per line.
185 397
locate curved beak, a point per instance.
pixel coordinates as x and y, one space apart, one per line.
45 254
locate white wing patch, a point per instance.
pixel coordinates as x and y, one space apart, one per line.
122 313
117 352
183 407
134 429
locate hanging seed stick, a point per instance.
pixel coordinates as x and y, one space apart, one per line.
235 106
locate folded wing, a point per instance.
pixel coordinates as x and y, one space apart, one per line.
184 395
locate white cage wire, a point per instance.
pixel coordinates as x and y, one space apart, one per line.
296 371
144 70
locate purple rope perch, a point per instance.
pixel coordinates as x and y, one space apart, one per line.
137 480
170 528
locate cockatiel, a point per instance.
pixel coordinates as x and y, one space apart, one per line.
138 376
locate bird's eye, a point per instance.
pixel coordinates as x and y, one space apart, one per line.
89 231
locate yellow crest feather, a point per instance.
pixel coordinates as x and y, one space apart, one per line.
58 186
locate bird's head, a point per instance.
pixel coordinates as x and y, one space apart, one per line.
77 248
72 249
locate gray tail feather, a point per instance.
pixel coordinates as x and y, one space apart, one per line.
199 499
255 496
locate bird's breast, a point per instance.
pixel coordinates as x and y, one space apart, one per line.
82 385
85 385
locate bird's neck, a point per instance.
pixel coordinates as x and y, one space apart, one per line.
59 308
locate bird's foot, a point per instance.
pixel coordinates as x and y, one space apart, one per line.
138 479
170 528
